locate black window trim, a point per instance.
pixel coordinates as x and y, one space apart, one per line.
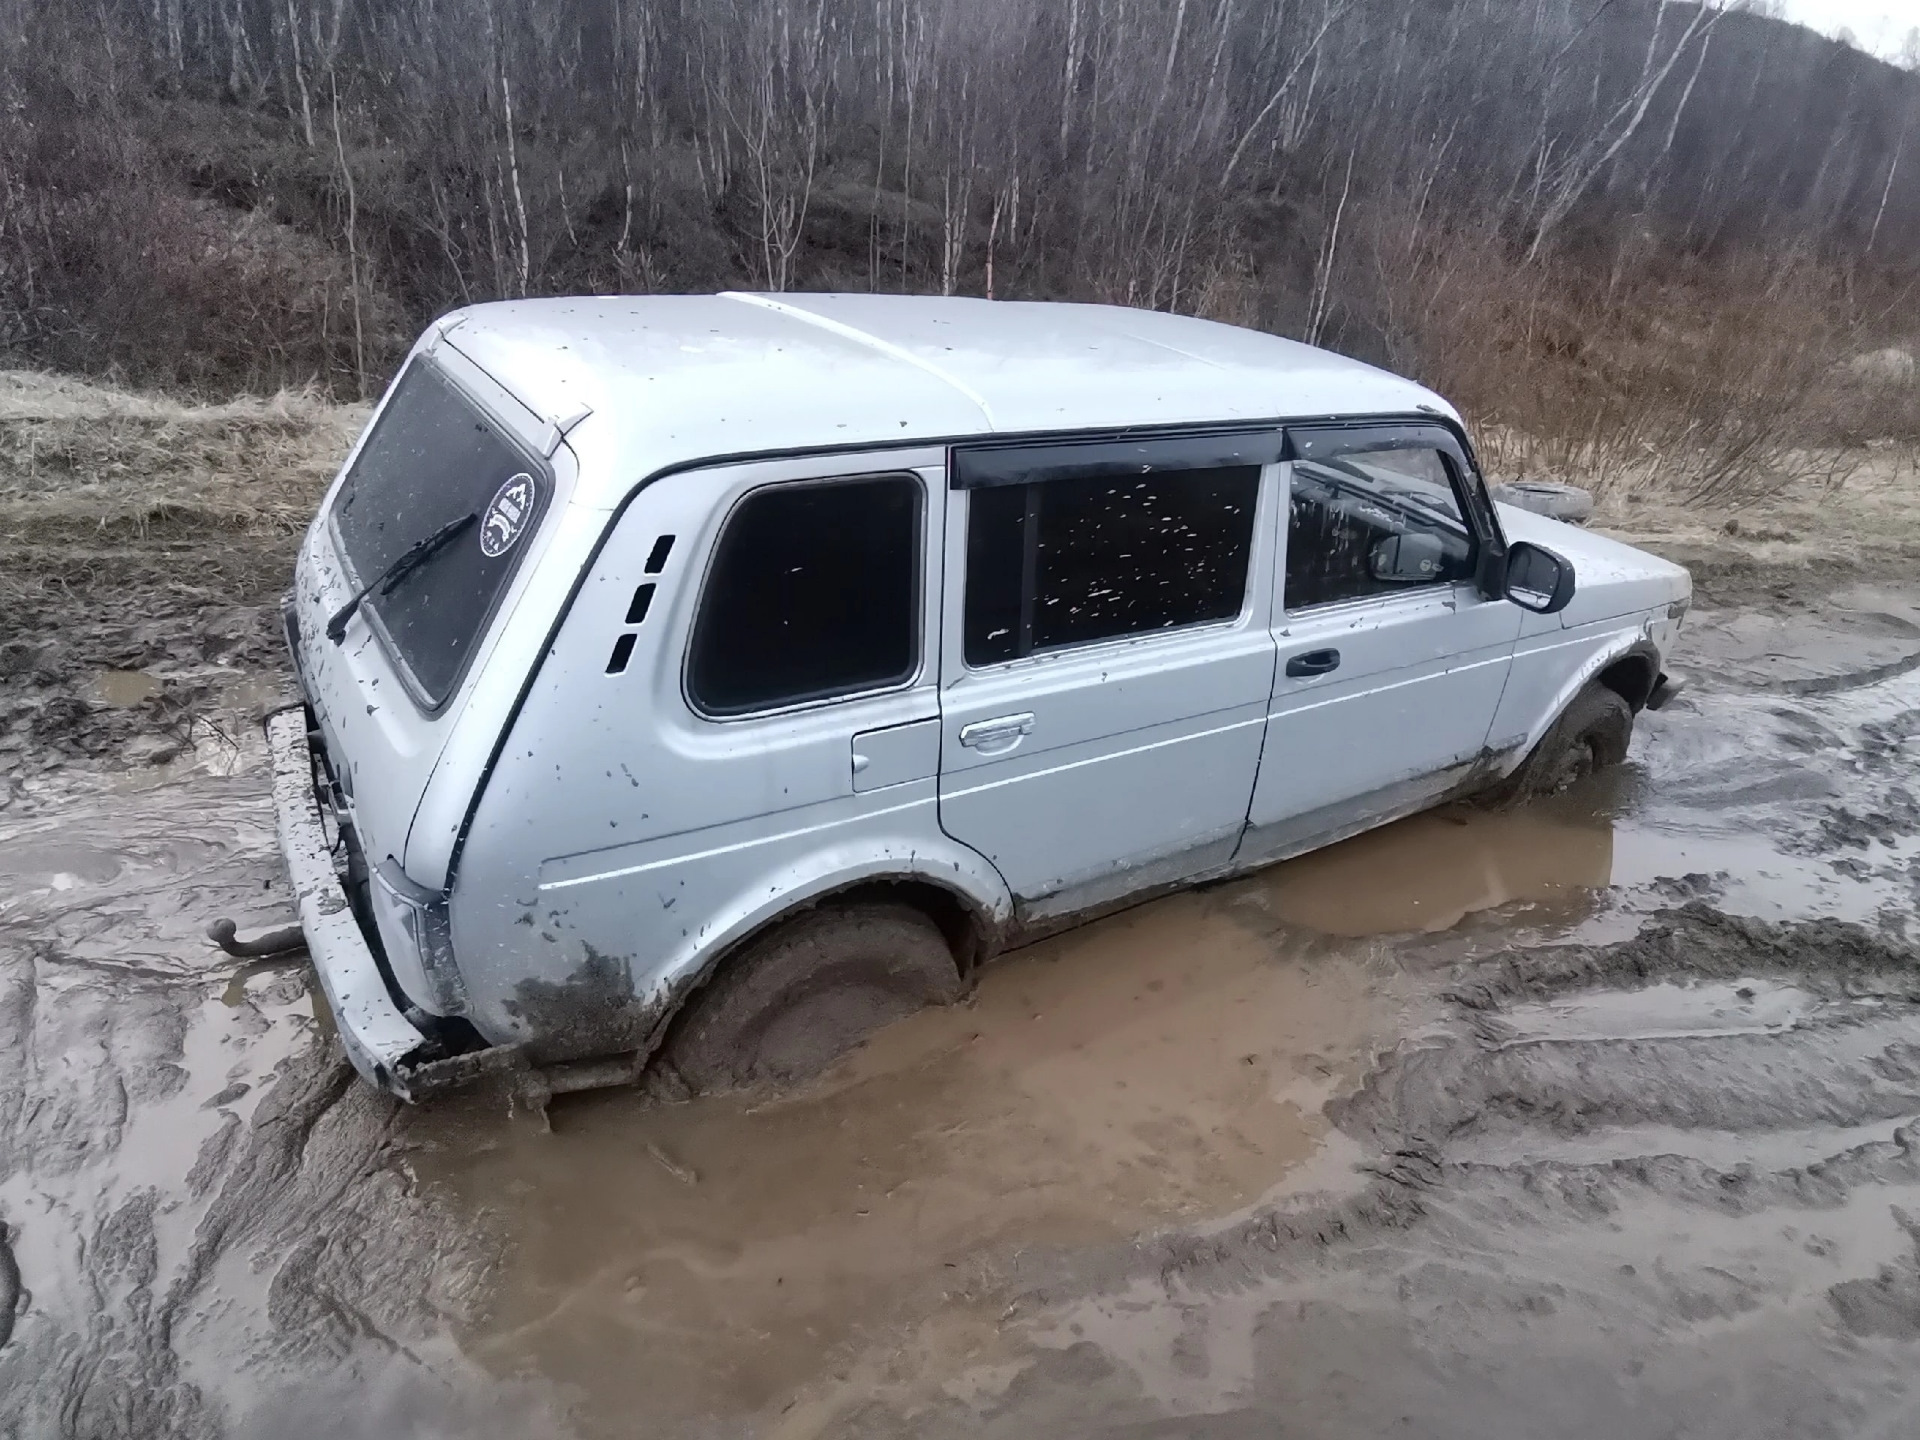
1093 459
916 673
1336 441
979 467
539 466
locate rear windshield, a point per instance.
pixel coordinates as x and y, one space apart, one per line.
435 460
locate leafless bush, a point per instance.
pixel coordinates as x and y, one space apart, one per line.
1707 380
1626 233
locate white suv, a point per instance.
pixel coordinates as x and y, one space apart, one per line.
699 681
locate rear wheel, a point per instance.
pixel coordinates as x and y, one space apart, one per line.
1590 735
795 1000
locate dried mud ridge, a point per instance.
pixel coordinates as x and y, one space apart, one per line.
1482 1078
50 716
1699 1144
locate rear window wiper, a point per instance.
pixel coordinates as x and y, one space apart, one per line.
409 560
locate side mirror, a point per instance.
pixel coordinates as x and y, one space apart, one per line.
1537 579
1410 559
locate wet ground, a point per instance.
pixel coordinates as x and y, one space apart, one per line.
1594 1118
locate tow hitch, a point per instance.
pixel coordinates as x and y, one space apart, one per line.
283 941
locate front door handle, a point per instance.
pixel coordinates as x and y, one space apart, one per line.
991 737
1314 662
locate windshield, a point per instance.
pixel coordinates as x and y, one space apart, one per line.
433 461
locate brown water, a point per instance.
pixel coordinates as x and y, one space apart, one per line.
1158 1068
123 689
192 1185
1429 872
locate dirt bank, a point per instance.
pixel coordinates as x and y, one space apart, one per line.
1593 1118
147 543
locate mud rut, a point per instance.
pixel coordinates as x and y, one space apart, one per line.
1634 1162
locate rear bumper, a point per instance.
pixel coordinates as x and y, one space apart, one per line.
385 1046
380 1041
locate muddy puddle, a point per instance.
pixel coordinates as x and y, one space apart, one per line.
1166 1072
1490 1119
1159 1068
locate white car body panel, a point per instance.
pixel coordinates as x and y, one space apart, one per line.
1420 676
1137 756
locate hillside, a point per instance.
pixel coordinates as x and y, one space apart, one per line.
1607 227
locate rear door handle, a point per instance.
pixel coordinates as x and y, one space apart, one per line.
1314 662
990 737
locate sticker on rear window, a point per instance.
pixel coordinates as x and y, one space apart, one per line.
506 516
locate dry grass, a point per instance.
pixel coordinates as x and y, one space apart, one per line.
75 454
1708 383
1870 523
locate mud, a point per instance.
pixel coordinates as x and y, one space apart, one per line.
1612 1211
1596 1117
1164 1066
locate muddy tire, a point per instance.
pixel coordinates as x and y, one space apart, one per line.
792 1002
1591 734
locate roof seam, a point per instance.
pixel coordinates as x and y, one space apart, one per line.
871 341
1170 348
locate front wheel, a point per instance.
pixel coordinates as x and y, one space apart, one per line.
1591 734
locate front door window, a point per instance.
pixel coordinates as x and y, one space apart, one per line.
1375 523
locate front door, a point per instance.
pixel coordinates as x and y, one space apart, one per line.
1391 658
1106 660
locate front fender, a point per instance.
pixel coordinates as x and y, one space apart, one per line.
1550 669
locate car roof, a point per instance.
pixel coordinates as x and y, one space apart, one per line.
673 379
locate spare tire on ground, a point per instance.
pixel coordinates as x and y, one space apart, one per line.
1547 497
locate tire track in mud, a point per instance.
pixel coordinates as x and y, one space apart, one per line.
1673 1181
195 1189
1829 777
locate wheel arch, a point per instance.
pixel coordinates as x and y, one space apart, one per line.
956 889
1633 675
1618 656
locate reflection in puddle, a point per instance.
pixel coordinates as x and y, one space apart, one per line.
1162 1066
1429 872
295 962
1668 1010
123 689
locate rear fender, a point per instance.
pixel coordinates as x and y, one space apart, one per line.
960 872
620 1001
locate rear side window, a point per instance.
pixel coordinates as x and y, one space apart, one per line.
1070 561
435 460
1373 523
813 594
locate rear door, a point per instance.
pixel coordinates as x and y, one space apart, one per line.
1106 659
1391 660
440 515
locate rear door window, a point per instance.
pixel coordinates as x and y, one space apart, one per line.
435 458
1374 523
814 594
1070 561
